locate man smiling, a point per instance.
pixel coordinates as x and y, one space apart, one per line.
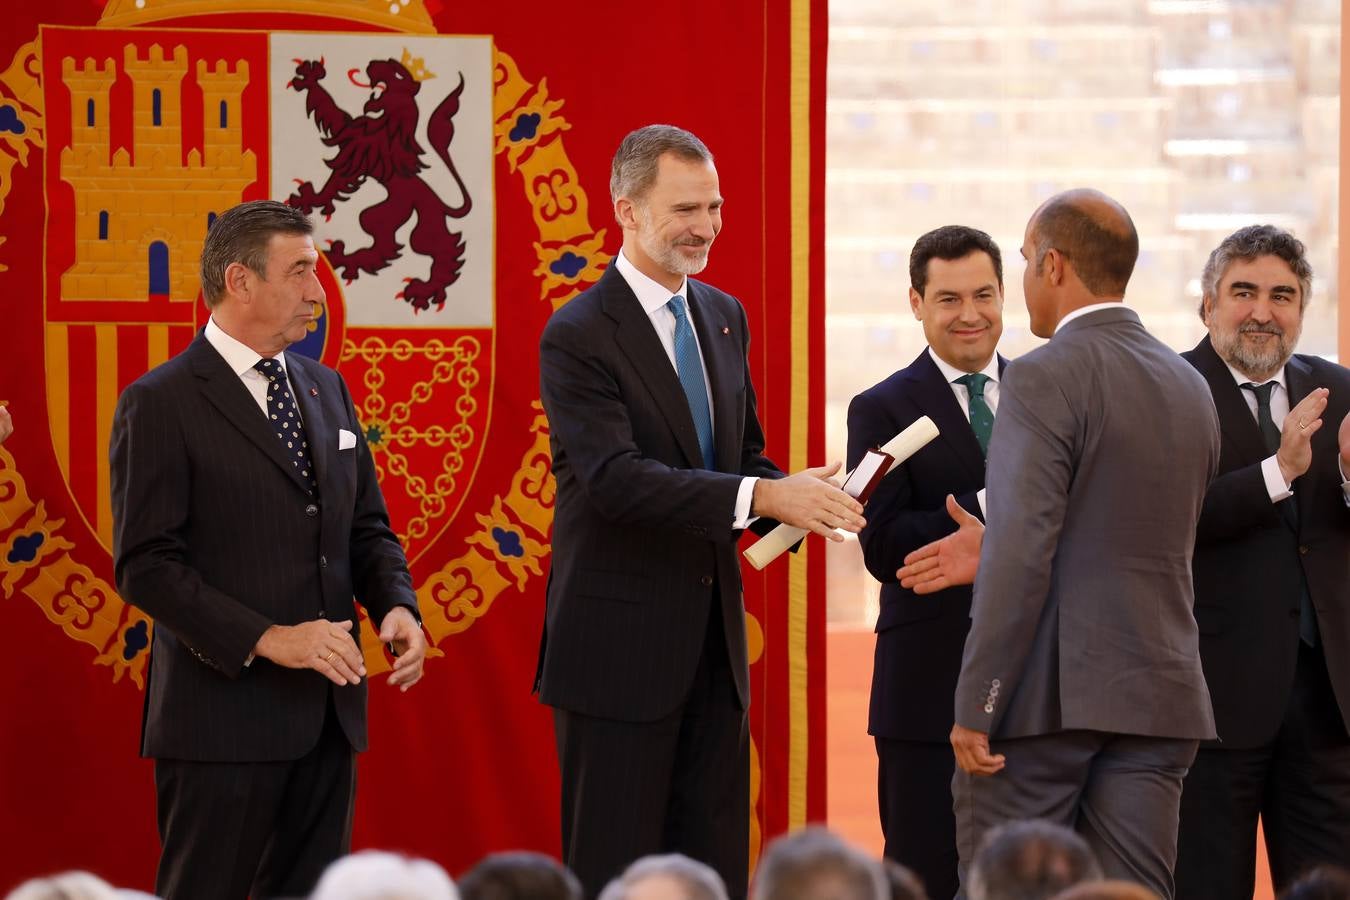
956 292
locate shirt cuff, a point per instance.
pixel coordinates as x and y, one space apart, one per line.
979 496
744 495
1345 482
1276 486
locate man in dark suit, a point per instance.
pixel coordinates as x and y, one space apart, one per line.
1272 582
1081 698
658 456
956 291
246 519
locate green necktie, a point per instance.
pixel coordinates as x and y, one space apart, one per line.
981 416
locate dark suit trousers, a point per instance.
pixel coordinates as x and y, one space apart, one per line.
267 829
1119 791
1298 784
914 793
680 784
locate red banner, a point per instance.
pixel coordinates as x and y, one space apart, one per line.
125 126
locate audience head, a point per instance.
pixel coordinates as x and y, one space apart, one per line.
375 875
1030 860
1080 247
816 864
519 876
1255 287
1322 883
669 877
65 886
1107 890
904 884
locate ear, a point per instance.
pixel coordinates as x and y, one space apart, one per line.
1207 307
1054 267
238 281
916 304
625 213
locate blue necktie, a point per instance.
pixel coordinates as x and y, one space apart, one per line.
285 418
690 368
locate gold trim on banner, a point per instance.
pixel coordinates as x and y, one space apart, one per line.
798 663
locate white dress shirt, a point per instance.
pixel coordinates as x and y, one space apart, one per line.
653 297
1084 310
241 359
951 373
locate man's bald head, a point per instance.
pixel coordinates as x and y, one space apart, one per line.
1093 233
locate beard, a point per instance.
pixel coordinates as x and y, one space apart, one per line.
1256 362
667 254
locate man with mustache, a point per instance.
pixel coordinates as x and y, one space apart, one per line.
658 456
1272 582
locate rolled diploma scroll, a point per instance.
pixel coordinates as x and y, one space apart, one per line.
902 447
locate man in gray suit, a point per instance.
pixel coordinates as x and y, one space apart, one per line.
1081 698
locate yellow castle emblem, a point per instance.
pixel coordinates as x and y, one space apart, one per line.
141 214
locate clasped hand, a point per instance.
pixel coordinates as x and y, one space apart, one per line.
809 499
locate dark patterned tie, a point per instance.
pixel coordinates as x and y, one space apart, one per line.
285 418
690 368
1307 615
981 416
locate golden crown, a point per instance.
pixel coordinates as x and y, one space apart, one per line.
416 66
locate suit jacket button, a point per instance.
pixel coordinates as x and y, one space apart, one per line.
312 510
1303 550
989 708
706 581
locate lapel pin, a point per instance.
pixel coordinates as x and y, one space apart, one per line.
726 330
314 392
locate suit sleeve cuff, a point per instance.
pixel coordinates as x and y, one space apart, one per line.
1276 486
741 517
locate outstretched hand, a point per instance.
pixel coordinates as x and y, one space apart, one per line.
947 562
809 499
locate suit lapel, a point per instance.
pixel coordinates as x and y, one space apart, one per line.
1235 416
223 389
638 341
935 398
318 430
722 361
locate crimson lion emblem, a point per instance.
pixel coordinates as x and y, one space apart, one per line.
381 144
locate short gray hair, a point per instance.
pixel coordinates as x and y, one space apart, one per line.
699 881
635 162
241 235
815 863
1247 244
1030 860
376 875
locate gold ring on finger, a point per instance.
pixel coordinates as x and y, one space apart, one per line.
1302 425
329 657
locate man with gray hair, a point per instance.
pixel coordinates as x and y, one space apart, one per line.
247 520
816 864
1029 860
659 459
672 876
1272 582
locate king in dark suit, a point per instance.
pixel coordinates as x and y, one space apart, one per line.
956 291
658 456
1272 582
247 521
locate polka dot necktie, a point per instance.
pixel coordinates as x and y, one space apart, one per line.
285 418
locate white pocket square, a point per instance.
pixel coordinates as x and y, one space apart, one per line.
346 440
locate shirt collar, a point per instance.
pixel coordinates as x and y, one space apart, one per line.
951 372
1242 379
1084 310
651 294
238 356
